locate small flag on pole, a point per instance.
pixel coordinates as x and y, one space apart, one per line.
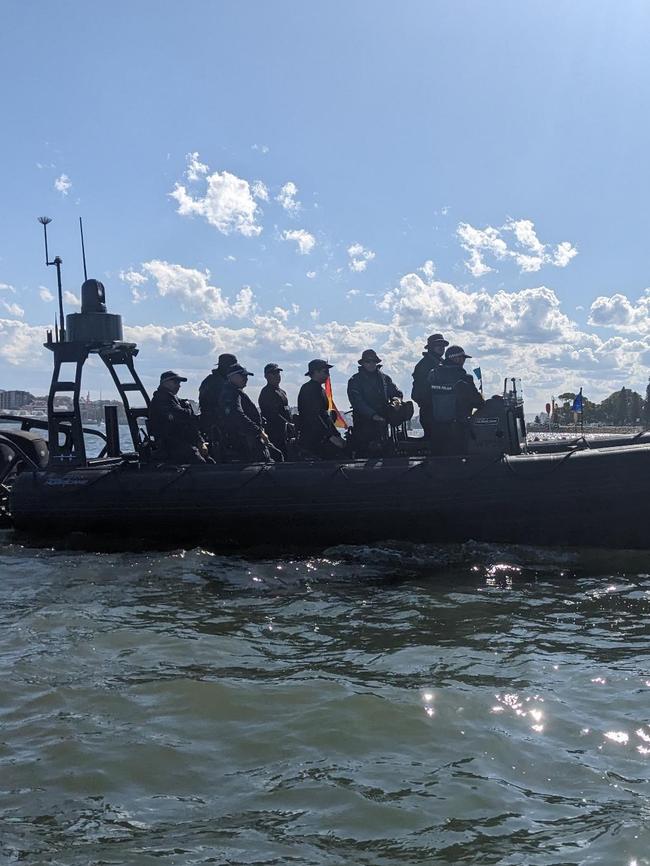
477 373
331 406
577 409
577 403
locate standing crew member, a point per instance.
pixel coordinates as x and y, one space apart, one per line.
372 395
274 406
453 397
209 392
318 434
421 393
240 420
173 424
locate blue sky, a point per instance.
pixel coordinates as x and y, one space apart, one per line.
364 173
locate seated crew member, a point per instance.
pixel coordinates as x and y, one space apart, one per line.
173 424
453 397
240 420
209 392
372 395
274 406
318 433
421 393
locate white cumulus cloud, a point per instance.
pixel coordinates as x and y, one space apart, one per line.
193 290
45 294
529 314
244 303
563 254
619 312
428 269
260 190
195 168
12 308
359 257
227 202
287 197
62 184
21 345
524 231
476 265
71 299
302 238
527 251
135 280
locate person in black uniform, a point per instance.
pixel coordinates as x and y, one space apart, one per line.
274 406
453 397
209 391
318 433
173 424
239 419
421 393
372 395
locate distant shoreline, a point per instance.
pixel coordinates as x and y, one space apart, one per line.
587 429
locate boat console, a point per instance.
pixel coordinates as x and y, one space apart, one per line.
499 426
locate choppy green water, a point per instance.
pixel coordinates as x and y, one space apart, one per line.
398 704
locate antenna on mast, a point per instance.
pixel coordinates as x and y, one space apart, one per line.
83 248
57 262
45 221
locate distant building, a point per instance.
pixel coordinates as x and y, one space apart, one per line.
15 399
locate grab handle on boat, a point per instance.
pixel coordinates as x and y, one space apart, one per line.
112 431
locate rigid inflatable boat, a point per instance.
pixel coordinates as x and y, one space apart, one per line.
577 493
588 498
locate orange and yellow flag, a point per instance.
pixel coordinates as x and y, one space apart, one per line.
331 405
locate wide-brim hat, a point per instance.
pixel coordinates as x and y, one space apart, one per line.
170 374
226 360
436 338
317 364
369 355
456 352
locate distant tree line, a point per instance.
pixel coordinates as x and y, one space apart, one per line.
624 408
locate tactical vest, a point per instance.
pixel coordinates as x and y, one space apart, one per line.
442 382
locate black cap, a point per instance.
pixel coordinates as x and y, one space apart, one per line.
436 338
369 355
272 368
237 368
169 374
317 364
456 352
226 360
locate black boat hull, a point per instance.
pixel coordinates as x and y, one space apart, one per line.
584 498
556 446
